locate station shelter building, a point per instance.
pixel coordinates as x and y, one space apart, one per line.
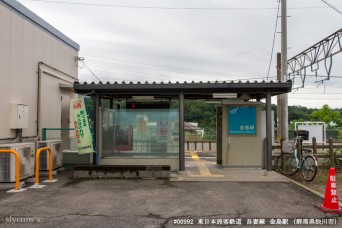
143 126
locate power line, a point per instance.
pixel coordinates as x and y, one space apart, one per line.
172 8
86 66
137 72
159 68
323 76
156 76
314 98
318 93
116 76
171 75
333 7
274 37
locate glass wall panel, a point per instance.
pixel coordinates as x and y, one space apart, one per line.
140 133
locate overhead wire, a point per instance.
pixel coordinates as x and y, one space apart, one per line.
332 6
315 98
158 75
86 66
116 77
190 8
273 42
167 77
324 76
158 66
171 8
123 73
160 69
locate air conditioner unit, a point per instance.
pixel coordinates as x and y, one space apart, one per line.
57 155
7 161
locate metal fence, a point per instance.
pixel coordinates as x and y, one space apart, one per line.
202 145
330 133
69 146
67 135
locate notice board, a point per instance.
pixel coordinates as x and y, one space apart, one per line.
242 120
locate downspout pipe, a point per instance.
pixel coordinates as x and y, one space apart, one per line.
39 73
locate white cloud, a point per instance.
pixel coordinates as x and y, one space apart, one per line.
231 44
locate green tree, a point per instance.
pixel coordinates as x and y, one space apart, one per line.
200 112
292 123
327 115
299 113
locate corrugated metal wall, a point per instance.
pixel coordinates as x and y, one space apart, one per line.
23 45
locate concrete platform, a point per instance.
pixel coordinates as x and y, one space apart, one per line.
206 169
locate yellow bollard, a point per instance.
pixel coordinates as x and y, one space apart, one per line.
17 169
37 167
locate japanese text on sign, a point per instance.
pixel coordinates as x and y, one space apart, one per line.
242 120
82 128
333 189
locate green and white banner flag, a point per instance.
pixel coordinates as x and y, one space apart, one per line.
82 129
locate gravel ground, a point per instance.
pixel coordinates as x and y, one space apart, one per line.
320 181
154 203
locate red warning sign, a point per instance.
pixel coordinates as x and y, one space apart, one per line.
330 204
163 131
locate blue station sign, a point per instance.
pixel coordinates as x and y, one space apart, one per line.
242 120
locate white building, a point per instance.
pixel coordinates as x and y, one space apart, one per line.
38 67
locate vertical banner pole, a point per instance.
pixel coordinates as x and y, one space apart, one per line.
181 132
82 127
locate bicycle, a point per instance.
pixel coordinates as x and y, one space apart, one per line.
289 164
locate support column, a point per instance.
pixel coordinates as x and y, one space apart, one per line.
219 135
111 103
284 97
181 132
268 131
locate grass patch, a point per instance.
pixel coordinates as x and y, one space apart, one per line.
320 181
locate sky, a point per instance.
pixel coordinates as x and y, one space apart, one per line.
195 40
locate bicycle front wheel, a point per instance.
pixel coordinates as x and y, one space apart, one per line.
287 164
309 168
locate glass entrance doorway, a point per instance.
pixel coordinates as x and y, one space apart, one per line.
149 133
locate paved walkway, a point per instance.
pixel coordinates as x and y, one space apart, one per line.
233 195
154 203
206 169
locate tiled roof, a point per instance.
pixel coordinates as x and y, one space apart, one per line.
191 89
177 82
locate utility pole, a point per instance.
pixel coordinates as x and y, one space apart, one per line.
284 97
279 110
